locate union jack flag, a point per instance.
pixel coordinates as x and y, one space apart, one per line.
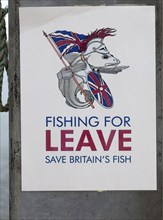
100 90
67 41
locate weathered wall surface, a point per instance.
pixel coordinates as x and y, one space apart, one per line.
134 205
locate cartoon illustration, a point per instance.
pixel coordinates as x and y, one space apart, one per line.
85 57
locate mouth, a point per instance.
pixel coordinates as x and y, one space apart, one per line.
112 64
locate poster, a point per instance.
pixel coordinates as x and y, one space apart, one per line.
88 98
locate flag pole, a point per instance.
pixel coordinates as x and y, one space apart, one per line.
64 63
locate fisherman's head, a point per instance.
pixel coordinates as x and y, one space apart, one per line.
96 53
93 50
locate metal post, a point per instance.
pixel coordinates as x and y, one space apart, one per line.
14 112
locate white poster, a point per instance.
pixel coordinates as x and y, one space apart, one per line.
88 99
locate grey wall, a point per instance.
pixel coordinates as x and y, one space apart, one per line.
133 205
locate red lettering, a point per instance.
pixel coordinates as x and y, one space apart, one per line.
64 140
122 139
86 140
105 146
89 143
48 142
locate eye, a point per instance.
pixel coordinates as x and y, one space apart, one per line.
105 56
102 48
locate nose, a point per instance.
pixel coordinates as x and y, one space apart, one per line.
115 59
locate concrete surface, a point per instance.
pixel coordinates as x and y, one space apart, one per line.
133 205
